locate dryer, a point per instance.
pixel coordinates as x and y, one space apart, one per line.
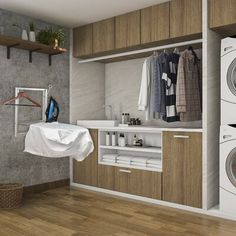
228 81
228 169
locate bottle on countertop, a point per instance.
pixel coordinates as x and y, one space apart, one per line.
113 139
135 140
123 118
121 140
108 139
128 118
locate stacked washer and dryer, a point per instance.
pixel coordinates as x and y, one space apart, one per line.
228 127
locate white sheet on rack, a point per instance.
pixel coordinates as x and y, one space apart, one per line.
58 140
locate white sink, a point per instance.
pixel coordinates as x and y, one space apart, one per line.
97 123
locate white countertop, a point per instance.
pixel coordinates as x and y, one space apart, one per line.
145 128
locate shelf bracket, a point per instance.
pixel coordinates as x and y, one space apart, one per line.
30 53
9 49
50 57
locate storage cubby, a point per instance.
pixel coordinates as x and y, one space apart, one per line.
150 151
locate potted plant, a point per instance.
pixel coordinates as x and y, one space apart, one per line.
52 37
32 37
24 34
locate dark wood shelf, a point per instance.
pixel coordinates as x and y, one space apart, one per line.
12 42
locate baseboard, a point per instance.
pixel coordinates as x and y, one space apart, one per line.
28 190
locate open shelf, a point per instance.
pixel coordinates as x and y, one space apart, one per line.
134 149
12 42
158 168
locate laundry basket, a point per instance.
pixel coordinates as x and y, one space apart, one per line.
11 195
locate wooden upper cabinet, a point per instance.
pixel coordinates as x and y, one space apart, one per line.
86 171
127 30
185 18
104 36
82 41
222 15
155 23
182 168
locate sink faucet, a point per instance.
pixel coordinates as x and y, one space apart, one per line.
110 116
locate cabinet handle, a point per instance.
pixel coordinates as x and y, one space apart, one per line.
181 136
125 171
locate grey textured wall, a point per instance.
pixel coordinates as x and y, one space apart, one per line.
14 164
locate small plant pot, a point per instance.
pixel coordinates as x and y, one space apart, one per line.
32 37
24 35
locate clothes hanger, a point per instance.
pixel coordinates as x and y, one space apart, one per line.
176 50
21 95
190 48
165 51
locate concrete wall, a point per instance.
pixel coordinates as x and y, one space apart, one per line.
15 165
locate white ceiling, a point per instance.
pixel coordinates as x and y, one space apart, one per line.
73 13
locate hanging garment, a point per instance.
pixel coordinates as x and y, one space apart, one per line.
188 95
161 98
170 78
145 89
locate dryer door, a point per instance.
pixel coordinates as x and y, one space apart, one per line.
231 166
231 77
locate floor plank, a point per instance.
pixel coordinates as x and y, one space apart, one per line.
70 212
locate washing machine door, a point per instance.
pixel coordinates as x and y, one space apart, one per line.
231 167
231 77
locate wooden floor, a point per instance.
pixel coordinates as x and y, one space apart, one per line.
78 212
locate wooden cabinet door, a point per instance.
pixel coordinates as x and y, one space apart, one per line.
155 23
182 168
86 172
104 36
122 179
106 177
82 41
185 17
127 30
222 13
139 182
146 183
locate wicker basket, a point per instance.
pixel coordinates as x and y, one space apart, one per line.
11 195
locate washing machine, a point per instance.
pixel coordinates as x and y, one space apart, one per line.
228 169
228 81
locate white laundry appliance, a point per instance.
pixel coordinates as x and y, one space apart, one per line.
228 169
228 81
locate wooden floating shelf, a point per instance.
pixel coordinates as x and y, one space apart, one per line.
12 42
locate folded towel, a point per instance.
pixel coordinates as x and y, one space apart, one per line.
124 158
140 159
123 162
109 160
138 164
110 156
154 161
153 166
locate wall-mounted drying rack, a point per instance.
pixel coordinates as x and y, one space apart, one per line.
31 47
44 92
142 52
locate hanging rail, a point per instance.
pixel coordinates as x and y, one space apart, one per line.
174 45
